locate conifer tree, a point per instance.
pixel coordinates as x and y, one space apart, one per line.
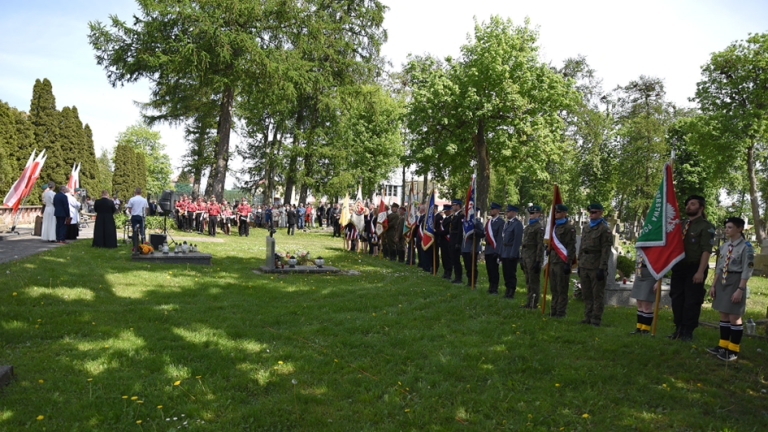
89 172
16 139
71 138
123 178
7 143
45 121
104 163
141 172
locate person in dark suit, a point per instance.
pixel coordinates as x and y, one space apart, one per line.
61 212
104 232
153 208
292 217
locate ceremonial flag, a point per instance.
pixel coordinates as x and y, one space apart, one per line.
549 235
34 174
411 218
660 243
74 177
357 212
344 219
381 218
428 231
14 196
469 209
352 234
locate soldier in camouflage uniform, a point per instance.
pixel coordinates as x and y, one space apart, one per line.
532 255
559 269
393 220
594 251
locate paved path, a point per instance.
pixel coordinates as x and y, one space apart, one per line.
16 247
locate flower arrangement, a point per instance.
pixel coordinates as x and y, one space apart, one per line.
302 257
145 249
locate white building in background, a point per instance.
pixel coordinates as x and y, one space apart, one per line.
393 188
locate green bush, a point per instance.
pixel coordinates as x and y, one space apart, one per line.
625 265
150 222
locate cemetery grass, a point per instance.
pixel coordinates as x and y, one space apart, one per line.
100 343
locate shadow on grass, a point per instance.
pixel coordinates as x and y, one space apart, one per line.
392 349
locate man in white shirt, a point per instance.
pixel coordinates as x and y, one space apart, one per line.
138 206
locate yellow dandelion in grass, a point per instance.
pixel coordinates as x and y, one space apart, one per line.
159 406
90 379
279 362
139 401
177 382
586 416
40 381
14 293
199 376
530 416
40 417
134 397
125 397
275 367
557 385
138 421
407 410
374 314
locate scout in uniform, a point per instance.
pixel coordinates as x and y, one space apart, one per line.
493 246
213 216
390 235
644 291
445 240
511 240
687 284
532 255
734 268
470 260
457 235
559 268
594 251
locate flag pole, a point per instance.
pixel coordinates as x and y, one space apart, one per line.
474 261
549 249
410 246
434 260
23 203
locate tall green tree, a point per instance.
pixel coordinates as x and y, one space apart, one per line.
71 138
141 172
89 172
125 177
733 92
16 138
497 103
104 163
215 43
44 118
158 171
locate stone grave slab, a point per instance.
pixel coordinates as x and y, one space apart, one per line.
270 253
619 294
308 269
196 258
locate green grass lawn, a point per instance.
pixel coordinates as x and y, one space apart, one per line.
99 342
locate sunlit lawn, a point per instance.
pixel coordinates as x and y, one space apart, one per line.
98 343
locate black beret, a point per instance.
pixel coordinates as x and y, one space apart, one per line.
595 206
739 222
698 198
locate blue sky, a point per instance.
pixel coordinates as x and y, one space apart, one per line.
622 40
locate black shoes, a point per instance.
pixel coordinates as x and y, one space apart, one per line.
675 334
456 281
637 330
716 350
727 355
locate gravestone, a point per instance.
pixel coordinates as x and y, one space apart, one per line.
6 373
616 241
270 253
610 276
761 260
578 243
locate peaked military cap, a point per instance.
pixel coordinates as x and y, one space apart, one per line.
457 201
698 198
534 209
446 207
510 207
561 207
595 206
495 206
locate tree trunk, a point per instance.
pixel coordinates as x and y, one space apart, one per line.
753 194
483 169
425 192
198 173
290 179
222 150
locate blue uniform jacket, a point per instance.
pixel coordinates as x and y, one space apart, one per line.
512 239
496 225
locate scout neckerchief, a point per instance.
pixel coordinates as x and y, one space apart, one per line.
685 228
727 260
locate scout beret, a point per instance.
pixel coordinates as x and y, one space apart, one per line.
456 201
561 207
45 185
739 222
595 206
77 189
510 207
495 206
698 198
446 207
534 209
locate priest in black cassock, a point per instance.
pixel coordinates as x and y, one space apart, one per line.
104 232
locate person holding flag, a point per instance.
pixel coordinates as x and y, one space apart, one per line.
456 238
390 236
594 252
400 235
734 268
532 256
470 248
659 248
444 240
511 240
561 257
428 236
494 227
